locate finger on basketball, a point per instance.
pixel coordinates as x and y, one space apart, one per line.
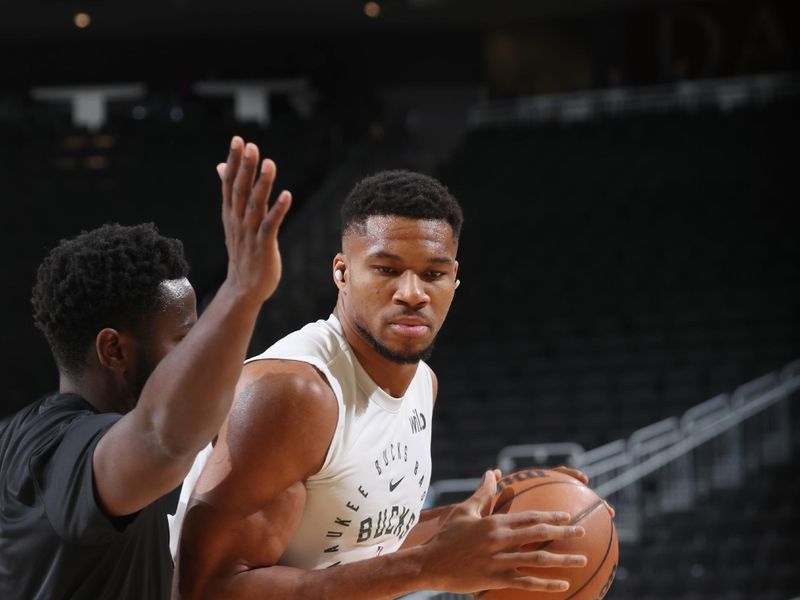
542 532
532 517
537 584
542 558
579 475
480 503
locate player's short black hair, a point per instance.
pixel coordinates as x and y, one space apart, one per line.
402 194
107 277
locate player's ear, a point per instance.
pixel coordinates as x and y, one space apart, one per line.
339 269
110 348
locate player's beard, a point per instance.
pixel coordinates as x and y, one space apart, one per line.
407 358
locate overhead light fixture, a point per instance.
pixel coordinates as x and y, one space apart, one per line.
82 20
372 9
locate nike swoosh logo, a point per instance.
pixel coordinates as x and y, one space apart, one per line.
394 484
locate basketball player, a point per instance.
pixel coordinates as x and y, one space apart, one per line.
88 475
321 470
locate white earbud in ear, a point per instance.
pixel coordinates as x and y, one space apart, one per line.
338 275
458 283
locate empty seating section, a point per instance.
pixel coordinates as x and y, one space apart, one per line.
735 545
615 273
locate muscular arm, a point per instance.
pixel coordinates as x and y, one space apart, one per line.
149 451
184 402
250 497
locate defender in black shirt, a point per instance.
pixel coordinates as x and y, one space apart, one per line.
50 512
87 476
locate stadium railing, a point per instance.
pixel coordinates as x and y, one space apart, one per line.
671 464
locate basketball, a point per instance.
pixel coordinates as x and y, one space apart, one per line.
542 489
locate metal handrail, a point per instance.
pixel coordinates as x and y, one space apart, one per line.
711 420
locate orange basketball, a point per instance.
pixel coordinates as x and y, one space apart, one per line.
542 489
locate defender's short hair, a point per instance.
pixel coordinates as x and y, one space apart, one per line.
402 194
107 277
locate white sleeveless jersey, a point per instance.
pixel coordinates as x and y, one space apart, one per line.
372 485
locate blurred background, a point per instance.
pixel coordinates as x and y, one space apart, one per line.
630 298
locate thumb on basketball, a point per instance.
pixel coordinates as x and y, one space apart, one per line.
480 502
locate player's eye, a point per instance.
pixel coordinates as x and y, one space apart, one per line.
383 270
434 275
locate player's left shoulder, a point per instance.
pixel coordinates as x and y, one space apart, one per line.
425 368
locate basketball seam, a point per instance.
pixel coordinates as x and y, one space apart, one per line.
599 566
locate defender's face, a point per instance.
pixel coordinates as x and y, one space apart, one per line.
400 278
168 325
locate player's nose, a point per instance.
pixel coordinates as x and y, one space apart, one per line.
411 291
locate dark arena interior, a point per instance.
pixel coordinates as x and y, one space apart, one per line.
630 266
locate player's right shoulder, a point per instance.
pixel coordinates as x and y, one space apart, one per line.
320 340
283 380
284 404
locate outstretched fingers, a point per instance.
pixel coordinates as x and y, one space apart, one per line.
251 226
259 194
228 170
243 181
272 222
246 195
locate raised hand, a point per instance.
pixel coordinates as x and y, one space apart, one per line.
472 552
181 408
251 226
